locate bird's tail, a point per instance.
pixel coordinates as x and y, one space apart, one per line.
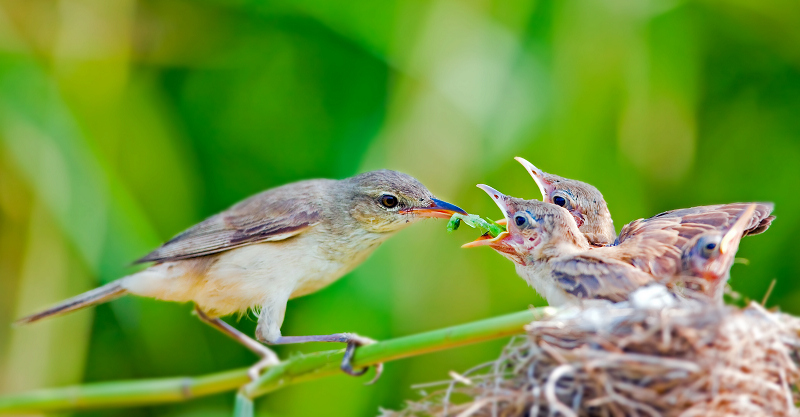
99 295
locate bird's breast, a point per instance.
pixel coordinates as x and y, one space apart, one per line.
539 276
334 255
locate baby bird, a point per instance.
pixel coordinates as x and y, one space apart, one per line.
555 258
283 243
655 244
583 201
707 259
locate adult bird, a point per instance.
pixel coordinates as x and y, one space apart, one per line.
283 243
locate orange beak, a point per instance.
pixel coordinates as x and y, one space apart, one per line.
487 240
439 209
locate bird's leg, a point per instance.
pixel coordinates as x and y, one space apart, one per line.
268 357
353 340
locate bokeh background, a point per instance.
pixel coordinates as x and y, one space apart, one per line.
122 122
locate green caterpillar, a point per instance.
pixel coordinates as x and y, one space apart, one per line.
475 221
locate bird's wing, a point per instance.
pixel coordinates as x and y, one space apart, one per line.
270 216
592 277
655 244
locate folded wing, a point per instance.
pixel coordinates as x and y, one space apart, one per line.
273 215
654 245
591 277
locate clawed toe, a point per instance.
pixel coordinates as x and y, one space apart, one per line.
347 365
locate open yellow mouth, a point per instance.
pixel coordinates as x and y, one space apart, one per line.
486 240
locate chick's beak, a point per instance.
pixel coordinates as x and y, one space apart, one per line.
538 175
438 208
730 241
486 239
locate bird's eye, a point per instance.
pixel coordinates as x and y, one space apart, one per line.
389 201
708 248
560 201
520 220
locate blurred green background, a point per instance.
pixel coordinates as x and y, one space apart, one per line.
122 122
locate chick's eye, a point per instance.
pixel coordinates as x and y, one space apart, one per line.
560 201
708 249
389 201
520 220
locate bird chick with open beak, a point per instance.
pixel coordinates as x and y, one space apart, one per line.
654 244
554 257
583 201
707 259
280 244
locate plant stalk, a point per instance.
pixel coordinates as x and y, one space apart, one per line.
295 370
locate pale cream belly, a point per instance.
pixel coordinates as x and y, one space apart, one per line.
242 278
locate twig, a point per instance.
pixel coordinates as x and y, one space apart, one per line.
550 390
768 293
295 370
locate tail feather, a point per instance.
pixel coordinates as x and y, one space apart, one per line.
98 295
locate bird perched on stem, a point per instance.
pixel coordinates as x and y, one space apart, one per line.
280 244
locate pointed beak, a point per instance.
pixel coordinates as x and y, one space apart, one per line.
440 209
730 242
498 198
538 176
487 239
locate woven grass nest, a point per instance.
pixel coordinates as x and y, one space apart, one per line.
687 359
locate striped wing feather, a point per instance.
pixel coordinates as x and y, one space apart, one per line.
589 277
654 245
273 215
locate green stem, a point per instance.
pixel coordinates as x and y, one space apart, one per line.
292 371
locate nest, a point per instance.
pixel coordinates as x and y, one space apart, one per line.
686 360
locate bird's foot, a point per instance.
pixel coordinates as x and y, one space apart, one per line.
268 358
353 341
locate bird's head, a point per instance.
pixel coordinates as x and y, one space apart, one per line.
710 255
386 201
583 201
535 230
